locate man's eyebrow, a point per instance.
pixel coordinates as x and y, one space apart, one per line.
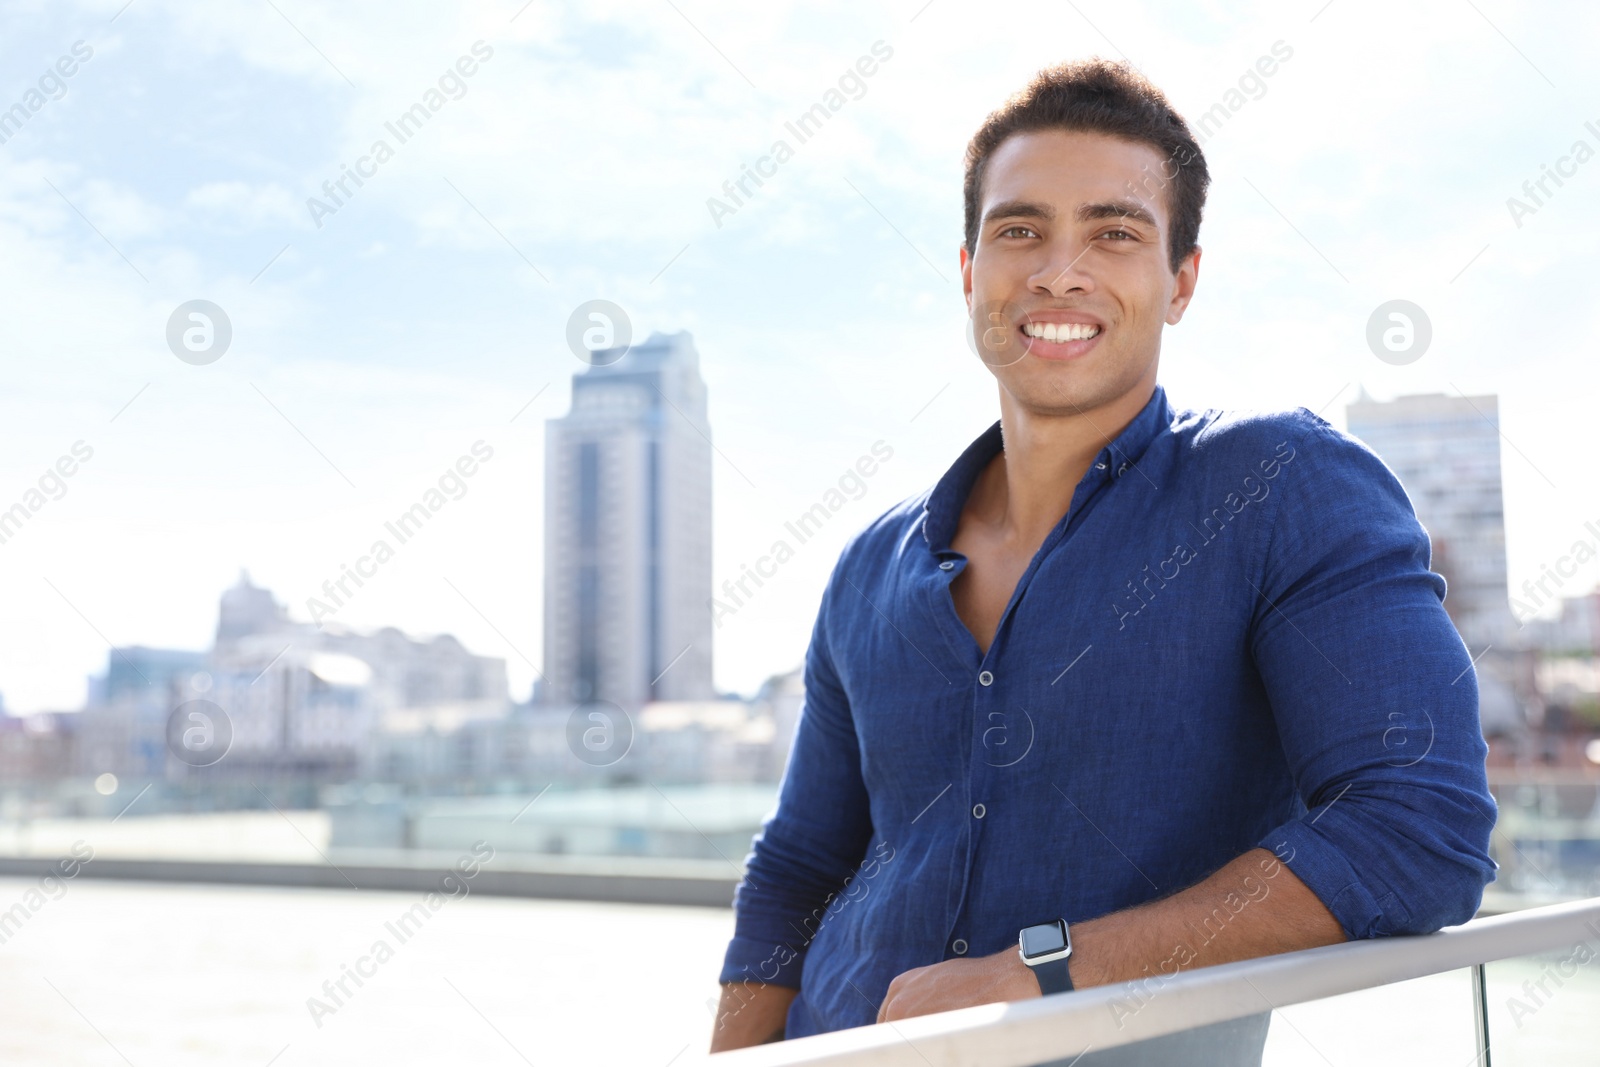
1117 209
1019 209
1126 209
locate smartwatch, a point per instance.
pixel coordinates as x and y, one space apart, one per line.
1045 948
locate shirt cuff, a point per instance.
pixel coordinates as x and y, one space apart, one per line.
1325 870
751 959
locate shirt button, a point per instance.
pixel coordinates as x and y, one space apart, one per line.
959 947
985 678
947 565
978 811
1100 466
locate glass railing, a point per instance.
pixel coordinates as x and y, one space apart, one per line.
1513 989
1426 1020
1542 1007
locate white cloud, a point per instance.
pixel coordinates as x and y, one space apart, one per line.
244 206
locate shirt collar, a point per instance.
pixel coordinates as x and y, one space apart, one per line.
942 512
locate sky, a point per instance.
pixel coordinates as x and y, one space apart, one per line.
378 337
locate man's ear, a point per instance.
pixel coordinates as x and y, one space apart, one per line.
1183 289
966 276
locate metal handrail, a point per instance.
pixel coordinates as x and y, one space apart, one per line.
1027 1032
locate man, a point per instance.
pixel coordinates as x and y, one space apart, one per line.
1176 684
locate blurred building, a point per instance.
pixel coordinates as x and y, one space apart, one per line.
1575 631
1567 676
627 568
296 701
136 669
704 741
1446 452
665 742
122 727
36 748
781 697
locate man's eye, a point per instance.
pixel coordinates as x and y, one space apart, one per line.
1017 231
1120 233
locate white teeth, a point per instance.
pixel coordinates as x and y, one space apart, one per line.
1066 331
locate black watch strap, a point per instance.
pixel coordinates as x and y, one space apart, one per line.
1054 977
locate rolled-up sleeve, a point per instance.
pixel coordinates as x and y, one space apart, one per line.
1375 700
813 840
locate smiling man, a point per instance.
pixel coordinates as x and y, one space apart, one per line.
1171 687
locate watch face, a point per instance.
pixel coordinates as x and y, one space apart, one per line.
1043 940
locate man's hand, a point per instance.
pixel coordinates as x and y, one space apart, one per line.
959 984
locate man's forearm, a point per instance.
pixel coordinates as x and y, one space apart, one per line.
1254 906
750 1013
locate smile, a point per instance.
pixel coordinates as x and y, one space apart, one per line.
1065 331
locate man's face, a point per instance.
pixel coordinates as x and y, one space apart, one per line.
1072 240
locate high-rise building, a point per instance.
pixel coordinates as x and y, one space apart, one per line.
1446 452
627 553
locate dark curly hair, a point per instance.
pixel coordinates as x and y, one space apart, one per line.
1099 96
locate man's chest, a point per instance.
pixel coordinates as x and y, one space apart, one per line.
983 589
1122 643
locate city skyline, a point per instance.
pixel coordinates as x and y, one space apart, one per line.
1444 450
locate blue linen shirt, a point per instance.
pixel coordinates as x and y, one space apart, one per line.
1231 640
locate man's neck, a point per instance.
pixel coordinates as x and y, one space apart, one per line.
1028 487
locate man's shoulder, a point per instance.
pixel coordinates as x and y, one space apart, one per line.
1223 432
1325 482
1226 440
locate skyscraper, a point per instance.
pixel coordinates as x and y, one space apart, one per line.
627 565
1446 452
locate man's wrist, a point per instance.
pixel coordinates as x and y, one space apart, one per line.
1076 967
1085 948
750 1013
